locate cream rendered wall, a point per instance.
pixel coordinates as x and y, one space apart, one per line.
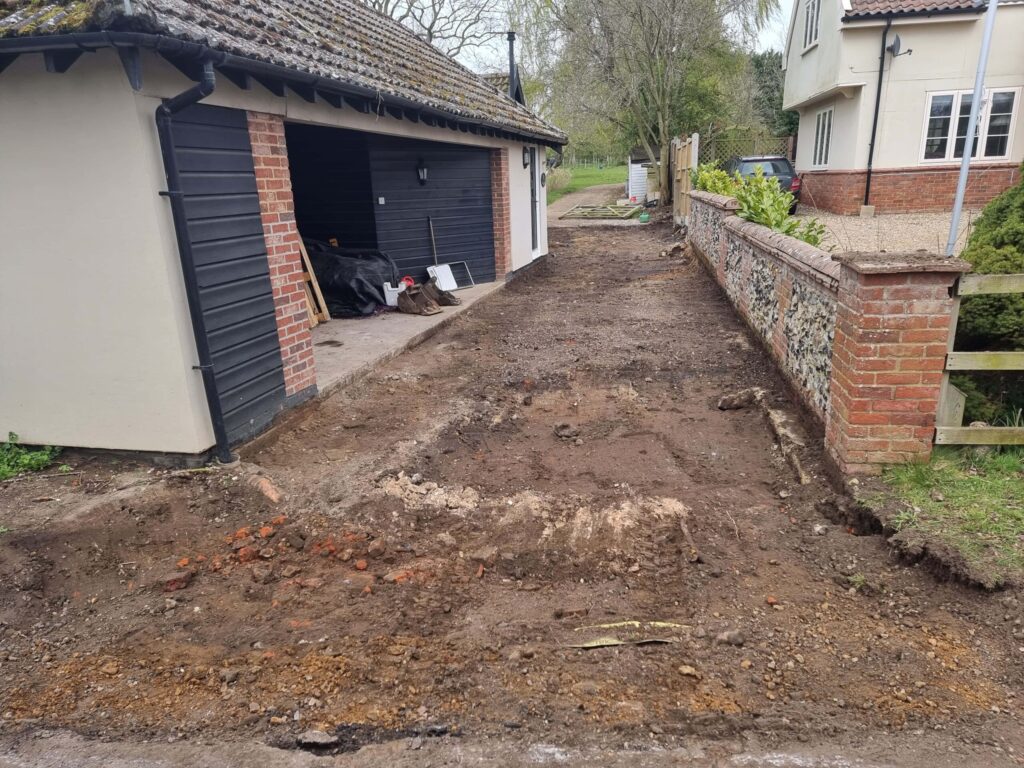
519 182
945 57
98 350
161 80
846 120
814 71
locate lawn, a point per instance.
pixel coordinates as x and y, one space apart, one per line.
582 177
971 501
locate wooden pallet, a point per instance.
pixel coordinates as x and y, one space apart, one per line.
315 304
602 212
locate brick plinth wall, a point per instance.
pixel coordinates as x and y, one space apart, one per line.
905 190
501 212
277 210
892 329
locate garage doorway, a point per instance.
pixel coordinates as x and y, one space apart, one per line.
367 191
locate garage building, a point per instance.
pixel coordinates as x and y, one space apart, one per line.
158 162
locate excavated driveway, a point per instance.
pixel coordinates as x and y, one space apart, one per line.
451 530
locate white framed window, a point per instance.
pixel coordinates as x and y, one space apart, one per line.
945 124
822 137
812 19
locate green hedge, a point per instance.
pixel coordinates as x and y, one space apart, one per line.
996 246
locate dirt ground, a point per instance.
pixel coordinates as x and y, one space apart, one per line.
450 530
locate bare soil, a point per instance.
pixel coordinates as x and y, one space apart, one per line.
450 528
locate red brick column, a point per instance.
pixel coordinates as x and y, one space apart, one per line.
502 213
277 210
892 329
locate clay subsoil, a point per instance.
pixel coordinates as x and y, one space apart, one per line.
447 530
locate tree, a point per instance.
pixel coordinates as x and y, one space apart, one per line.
637 62
453 26
769 79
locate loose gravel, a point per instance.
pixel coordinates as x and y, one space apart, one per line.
890 232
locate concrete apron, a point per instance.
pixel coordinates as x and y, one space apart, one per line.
347 349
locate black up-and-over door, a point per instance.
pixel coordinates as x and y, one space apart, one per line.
214 158
456 197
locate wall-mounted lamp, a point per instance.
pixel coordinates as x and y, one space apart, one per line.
421 172
526 157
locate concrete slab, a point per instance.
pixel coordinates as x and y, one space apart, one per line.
348 348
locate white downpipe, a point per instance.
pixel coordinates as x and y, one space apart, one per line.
972 124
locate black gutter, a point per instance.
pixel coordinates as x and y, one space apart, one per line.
170 46
878 104
165 128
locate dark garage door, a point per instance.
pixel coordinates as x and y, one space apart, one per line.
223 211
457 197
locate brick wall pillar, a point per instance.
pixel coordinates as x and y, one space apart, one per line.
892 329
502 213
277 210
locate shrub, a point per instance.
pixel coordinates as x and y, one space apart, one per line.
763 201
708 177
996 246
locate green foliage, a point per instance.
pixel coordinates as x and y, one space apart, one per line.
768 77
995 322
761 200
764 202
971 501
15 459
708 177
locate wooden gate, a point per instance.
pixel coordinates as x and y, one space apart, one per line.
684 159
949 424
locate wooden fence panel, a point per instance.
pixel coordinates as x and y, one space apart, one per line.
684 159
949 424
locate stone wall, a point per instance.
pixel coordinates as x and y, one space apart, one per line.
860 337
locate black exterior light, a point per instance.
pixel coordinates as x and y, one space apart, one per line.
421 172
526 157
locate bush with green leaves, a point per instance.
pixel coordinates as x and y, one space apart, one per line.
996 247
987 323
764 202
15 458
708 177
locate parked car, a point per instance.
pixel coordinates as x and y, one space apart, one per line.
775 166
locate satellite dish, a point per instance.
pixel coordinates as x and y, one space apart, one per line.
894 46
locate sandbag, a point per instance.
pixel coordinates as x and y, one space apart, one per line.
351 279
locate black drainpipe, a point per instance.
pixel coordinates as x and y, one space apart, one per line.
878 104
165 128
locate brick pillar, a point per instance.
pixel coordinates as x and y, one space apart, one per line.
502 213
892 330
277 210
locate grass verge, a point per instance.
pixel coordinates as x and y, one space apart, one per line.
16 459
970 501
590 176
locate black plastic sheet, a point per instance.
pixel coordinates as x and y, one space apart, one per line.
351 279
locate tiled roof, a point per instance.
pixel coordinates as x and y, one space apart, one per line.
864 8
340 40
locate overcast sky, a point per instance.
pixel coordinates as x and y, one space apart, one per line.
494 57
774 33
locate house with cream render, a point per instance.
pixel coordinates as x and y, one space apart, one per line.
160 161
883 89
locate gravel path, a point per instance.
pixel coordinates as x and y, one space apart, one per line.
890 232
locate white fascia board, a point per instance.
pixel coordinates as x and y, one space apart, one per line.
846 90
